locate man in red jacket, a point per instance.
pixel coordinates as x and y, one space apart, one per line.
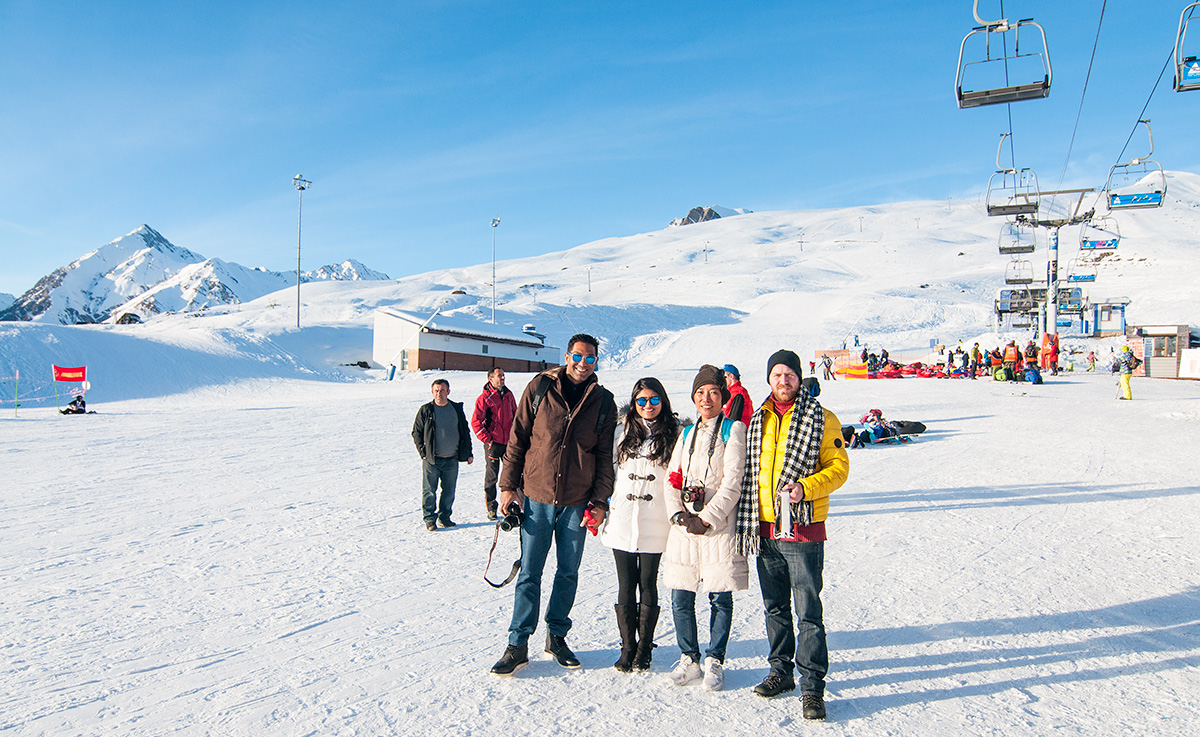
492 422
740 406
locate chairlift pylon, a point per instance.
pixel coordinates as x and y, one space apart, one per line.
988 81
1100 234
1138 183
1187 65
1011 191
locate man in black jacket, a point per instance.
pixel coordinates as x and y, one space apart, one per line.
443 439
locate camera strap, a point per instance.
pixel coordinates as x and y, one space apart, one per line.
712 446
516 566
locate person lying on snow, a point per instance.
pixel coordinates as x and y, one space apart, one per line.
878 430
77 407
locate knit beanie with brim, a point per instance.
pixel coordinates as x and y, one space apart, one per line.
787 358
709 374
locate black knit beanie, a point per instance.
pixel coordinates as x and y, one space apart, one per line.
710 374
787 358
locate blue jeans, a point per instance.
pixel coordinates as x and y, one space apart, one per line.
791 571
445 471
720 622
546 523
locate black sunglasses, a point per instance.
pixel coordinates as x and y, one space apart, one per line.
577 357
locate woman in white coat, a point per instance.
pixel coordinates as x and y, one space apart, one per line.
706 469
637 521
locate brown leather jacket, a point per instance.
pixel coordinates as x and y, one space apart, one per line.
558 457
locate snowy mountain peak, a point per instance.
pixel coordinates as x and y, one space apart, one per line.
348 270
143 274
706 213
87 289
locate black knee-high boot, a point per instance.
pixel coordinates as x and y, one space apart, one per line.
627 623
646 621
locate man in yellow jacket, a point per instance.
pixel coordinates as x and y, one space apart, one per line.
795 458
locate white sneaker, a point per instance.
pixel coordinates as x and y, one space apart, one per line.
714 676
686 671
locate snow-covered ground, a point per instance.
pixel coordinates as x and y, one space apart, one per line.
249 559
233 545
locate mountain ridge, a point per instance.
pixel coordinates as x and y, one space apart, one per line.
152 276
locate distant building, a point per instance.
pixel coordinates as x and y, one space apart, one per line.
1167 351
456 344
1106 318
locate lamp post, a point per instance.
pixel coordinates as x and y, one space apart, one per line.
300 184
495 222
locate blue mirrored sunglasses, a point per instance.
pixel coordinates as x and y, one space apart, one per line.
643 401
577 357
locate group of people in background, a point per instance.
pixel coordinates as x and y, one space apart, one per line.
694 500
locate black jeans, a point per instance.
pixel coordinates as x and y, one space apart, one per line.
636 570
494 452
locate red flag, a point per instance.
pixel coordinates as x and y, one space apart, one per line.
70 374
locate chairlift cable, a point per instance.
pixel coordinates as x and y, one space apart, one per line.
1012 149
1079 113
1142 115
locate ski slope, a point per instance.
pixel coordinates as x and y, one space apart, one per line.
250 559
233 544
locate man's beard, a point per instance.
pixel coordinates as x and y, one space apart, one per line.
791 395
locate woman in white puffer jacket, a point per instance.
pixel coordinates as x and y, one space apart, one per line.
706 468
637 521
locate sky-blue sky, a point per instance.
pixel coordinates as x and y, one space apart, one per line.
420 120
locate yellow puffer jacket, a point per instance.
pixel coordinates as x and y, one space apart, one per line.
834 464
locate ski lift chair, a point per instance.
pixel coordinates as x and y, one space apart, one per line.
1137 184
1080 271
988 80
1011 191
1016 239
1070 299
1018 271
1187 66
1100 234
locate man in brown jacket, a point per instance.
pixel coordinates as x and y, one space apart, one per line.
559 462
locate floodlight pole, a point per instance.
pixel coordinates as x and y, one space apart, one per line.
301 184
495 222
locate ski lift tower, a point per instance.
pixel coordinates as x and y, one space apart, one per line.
1074 217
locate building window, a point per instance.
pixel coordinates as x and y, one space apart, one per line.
485 347
1105 313
1164 346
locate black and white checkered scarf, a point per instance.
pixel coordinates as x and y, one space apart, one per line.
801 459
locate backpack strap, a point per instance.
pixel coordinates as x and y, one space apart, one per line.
539 391
726 427
606 401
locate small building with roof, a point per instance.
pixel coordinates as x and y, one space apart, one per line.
413 343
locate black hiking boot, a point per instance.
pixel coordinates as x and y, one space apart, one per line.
814 705
515 657
557 646
775 684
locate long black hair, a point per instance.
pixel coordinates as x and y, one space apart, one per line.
666 427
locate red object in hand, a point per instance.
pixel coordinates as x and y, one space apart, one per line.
676 479
592 523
